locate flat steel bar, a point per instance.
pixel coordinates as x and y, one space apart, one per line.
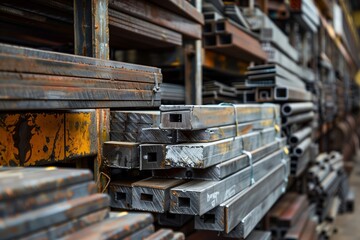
18 225
297 229
121 154
15 182
63 229
34 201
192 117
153 195
292 214
136 116
229 214
251 220
198 197
142 234
291 94
118 227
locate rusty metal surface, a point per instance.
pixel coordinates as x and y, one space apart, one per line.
117 227
48 216
43 137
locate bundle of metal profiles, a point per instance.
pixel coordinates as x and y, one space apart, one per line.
199 162
295 119
217 92
172 93
36 79
51 203
291 218
153 24
227 37
328 186
306 14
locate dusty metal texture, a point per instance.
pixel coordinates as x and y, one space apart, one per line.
229 214
224 169
198 197
291 94
44 137
192 117
173 220
120 192
121 154
83 31
152 156
118 227
63 229
15 181
152 13
299 164
126 26
56 80
300 135
34 201
162 234
249 222
153 195
51 215
294 108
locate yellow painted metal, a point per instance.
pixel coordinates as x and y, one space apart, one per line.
42 137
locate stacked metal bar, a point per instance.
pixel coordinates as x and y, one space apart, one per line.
52 203
202 157
292 218
228 37
172 93
36 79
329 189
217 92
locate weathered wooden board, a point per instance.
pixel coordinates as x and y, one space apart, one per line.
153 195
198 197
193 117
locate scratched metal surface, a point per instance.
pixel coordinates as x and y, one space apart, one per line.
206 195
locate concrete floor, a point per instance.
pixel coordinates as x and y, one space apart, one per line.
348 224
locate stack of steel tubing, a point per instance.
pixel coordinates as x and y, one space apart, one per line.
36 79
205 161
172 93
291 218
217 92
328 188
295 119
52 203
306 14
